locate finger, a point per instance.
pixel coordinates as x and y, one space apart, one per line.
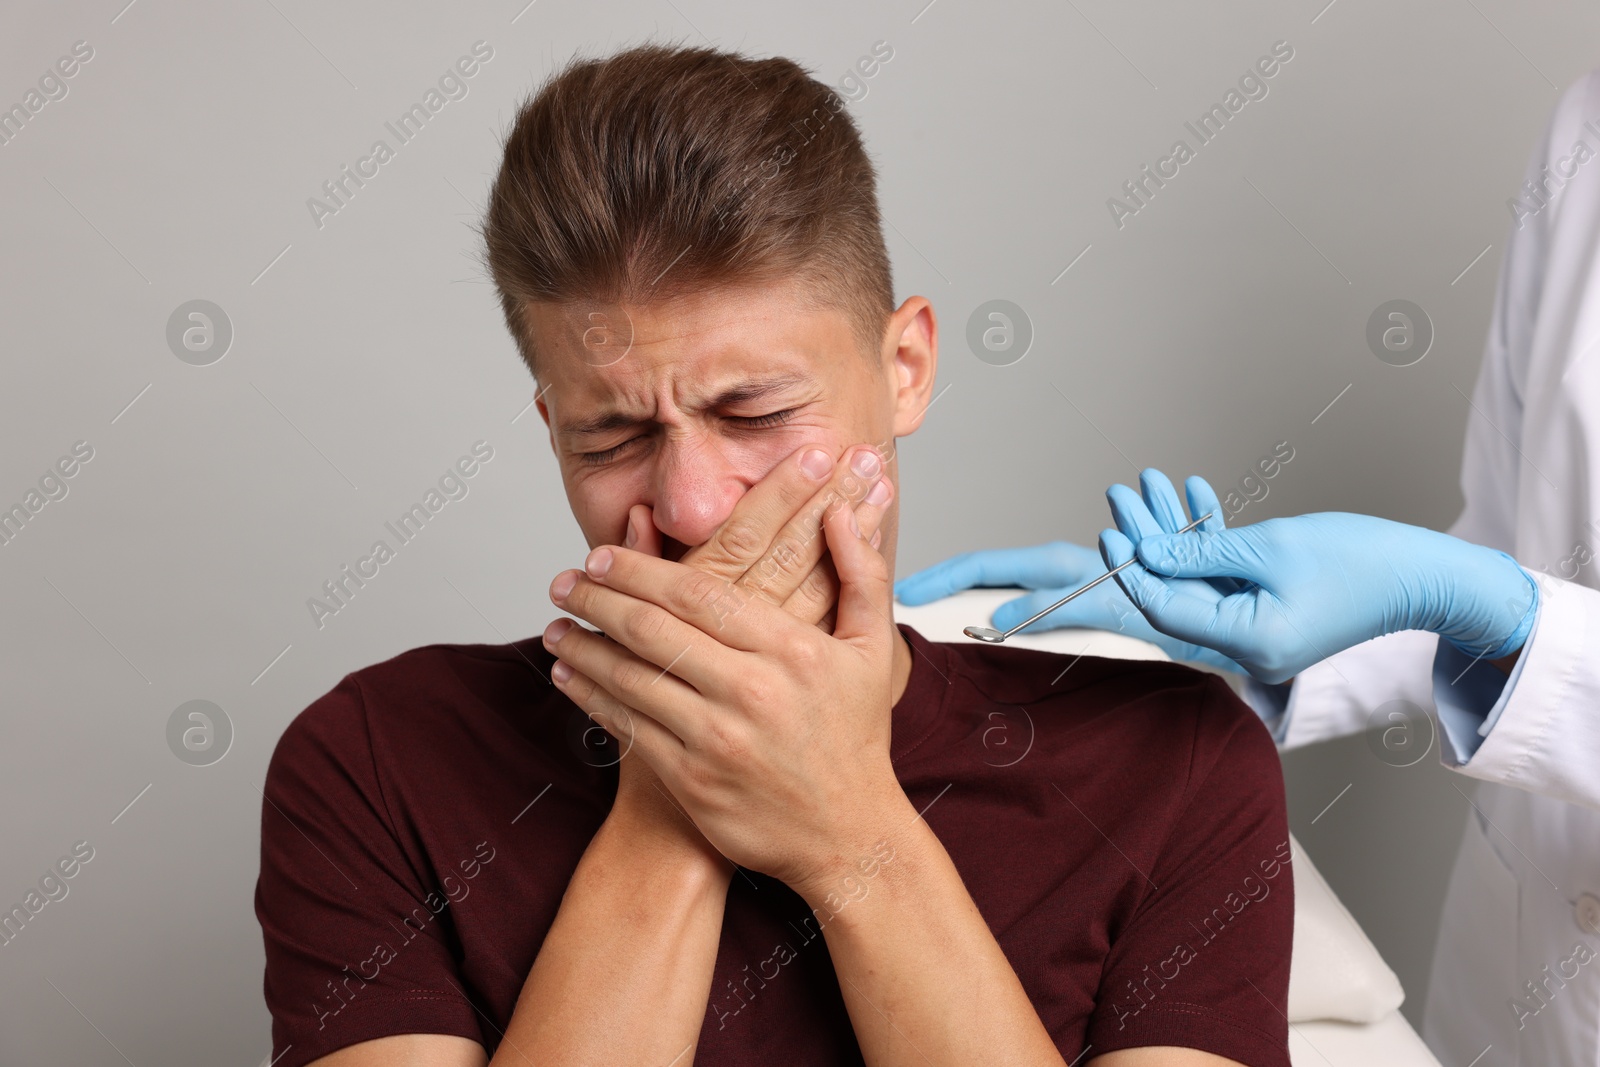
798 547
653 618
813 598
1225 554
630 679
1189 615
1203 500
659 608
642 535
747 533
1132 514
816 595
1162 500
1056 565
864 614
636 732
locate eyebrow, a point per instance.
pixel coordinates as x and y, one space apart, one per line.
751 389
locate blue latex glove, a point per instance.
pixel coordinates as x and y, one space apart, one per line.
1057 568
1313 585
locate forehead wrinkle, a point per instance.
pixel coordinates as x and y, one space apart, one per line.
741 391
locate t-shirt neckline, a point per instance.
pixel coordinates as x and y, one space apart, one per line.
926 697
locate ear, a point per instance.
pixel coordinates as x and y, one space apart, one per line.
544 411
911 353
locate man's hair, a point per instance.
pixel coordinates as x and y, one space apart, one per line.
663 171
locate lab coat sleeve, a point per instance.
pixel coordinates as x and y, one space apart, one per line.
1343 693
1470 694
1542 732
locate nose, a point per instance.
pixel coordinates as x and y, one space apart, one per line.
695 489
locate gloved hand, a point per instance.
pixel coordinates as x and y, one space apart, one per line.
1055 569
1313 585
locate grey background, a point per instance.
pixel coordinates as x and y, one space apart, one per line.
369 354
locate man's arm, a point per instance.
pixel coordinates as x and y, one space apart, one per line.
925 981
635 939
923 978
624 973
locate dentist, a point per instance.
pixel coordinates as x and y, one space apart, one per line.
1496 625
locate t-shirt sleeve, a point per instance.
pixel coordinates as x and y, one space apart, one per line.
357 945
1204 960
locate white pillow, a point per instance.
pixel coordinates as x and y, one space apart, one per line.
1334 971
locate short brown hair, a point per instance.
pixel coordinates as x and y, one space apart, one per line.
660 171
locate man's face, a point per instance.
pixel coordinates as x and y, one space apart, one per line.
683 405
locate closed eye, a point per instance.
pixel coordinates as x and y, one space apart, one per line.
752 422
776 418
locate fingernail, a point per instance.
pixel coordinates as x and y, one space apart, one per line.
599 562
631 536
865 463
815 462
880 493
556 631
563 585
560 672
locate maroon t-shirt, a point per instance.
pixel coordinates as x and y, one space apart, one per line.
1119 824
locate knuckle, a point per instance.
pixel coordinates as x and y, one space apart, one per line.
740 539
752 690
804 656
644 624
698 779
586 693
702 592
726 740
735 745
1274 665
788 552
627 677
773 577
818 587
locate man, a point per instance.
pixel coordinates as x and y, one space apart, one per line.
815 837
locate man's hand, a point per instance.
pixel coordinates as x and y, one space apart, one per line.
775 737
773 734
771 547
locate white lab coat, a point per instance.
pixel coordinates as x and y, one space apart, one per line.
1522 912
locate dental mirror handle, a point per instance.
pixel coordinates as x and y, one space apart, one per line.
1084 589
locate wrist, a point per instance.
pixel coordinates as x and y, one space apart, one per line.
1493 605
903 873
651 829
872 842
